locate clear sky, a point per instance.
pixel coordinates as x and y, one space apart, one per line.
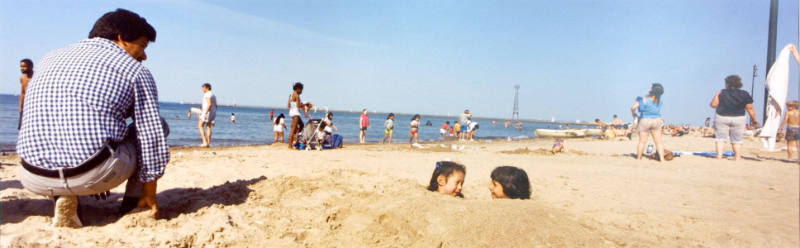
573 59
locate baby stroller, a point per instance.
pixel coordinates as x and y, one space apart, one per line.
311 135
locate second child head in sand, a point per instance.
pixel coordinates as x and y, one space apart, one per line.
448 178
509 182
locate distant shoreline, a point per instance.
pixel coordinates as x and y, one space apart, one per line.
405 114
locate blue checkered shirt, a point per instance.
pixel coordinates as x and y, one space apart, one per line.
80 98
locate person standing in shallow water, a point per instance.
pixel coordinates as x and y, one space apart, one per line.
363 124
208 115
26 66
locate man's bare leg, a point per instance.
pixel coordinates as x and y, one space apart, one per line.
202 133
209 126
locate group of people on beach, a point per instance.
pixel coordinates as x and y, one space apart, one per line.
65 155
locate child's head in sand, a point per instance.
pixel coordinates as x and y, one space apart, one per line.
448 178
510 182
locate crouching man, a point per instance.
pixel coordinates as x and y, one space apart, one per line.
75 139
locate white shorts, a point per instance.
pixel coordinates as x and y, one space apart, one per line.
277 128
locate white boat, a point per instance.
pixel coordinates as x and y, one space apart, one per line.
556 133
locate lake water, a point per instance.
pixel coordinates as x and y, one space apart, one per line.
253 126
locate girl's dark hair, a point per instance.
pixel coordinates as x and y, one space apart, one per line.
330 115
28 62
416 116
514 180
444 168
322 125
733 82
207 85
122 22
278 119
656 91
297 85
389 116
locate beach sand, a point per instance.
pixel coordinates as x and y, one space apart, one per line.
373 196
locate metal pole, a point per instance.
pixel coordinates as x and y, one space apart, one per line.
753 83
773 33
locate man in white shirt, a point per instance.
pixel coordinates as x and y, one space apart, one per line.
207 115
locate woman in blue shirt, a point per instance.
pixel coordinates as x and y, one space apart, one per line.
650 121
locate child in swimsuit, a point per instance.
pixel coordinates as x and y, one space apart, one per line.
792 130
363 124
389 128
414 130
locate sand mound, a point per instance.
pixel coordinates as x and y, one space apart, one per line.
327 208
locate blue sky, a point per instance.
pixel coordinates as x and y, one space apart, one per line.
573 59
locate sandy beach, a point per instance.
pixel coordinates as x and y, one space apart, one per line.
373 196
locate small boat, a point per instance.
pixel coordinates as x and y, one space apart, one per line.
594 131
556 133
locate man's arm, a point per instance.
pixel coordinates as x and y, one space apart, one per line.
783 124
23 81
152 139
207 102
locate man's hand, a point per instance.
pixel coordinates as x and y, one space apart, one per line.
149 198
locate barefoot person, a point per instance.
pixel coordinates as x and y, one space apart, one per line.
650 121
26 66
278 126
363 124
792 130
65 155
295 104
207 116
729 122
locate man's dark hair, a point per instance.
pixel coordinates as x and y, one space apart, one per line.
733 82
514 181
207 85
297 85
122 22
27 62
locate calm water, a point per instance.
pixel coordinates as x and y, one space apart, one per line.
254 127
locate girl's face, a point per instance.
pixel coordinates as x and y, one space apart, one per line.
452 184
497 190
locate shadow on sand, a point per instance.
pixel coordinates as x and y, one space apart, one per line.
10 184
172 203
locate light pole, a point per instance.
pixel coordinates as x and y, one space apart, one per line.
753 83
